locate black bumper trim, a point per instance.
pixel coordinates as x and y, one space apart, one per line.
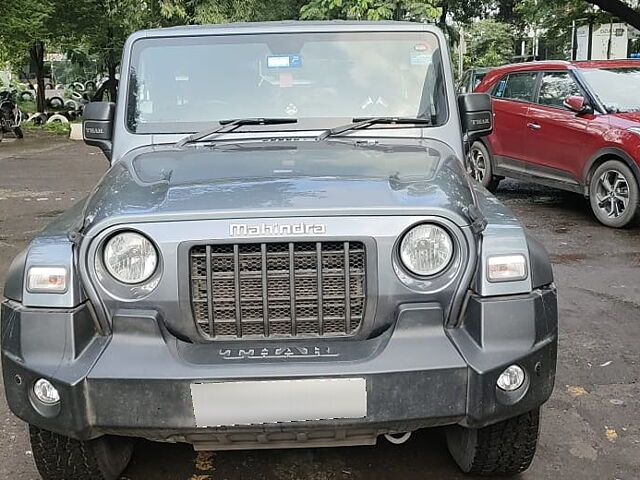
419 374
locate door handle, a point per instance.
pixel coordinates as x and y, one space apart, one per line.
534 126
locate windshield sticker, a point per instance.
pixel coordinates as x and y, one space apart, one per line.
421 54
286 79
284 61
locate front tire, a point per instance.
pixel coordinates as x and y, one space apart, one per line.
505 448
614 194
18 132
480 166
62 458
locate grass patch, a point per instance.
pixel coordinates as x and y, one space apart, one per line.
57 128
27 106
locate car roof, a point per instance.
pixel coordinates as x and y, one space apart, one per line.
627 62
497 73
287 26
565 65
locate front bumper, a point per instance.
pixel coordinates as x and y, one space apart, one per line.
137 381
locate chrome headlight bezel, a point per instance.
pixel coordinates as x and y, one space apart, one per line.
443 235
144 243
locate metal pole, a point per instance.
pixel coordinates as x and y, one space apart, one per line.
610 39
573 40
461 48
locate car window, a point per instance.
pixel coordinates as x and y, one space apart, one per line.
556 87
517 86
478 79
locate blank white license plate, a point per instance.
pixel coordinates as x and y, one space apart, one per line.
258 402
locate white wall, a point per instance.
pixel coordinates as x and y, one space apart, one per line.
600 41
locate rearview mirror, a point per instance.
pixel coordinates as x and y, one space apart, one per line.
476 112
577 104
97 125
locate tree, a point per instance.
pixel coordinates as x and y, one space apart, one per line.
103 26
507 11
26 27
619 9
462 11
224 11
489 43
418 10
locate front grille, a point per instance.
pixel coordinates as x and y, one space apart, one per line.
295 289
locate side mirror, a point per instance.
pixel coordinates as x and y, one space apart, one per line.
476 113
97 125
577 104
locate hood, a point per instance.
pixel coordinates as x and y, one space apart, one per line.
629 119
287 179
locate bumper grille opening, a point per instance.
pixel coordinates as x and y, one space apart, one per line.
294 289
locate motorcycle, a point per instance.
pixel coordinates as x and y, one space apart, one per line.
11 117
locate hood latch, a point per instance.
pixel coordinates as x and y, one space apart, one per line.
478 221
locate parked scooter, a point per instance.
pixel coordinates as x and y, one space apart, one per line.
11 116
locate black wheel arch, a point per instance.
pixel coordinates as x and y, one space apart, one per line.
606 154
540 264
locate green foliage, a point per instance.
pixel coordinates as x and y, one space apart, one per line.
103 26
27 106
57 128
224 11
370 10
489 43
22 23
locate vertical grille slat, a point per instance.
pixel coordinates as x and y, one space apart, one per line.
292 288
266 290
236 284
209 292
347 299
320 288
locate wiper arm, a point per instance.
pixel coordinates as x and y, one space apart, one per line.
226 126
362 122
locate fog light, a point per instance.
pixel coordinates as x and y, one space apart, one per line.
45 392
511 379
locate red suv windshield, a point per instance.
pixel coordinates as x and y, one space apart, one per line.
617 88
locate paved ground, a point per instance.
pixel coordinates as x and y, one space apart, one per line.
591 426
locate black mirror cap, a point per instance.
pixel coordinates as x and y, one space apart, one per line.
97 125
476 113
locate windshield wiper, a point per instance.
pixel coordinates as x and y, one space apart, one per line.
362 122
226 126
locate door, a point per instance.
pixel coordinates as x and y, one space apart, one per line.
512 97
557 139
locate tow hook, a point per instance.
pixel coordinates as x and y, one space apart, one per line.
398 438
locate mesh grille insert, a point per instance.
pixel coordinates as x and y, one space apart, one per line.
297 289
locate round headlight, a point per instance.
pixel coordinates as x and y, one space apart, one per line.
130 258
426 250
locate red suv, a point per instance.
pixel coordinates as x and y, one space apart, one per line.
574 126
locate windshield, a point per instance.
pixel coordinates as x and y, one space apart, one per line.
617 88
185 84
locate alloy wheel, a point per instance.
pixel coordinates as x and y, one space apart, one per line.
477 165
612 193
